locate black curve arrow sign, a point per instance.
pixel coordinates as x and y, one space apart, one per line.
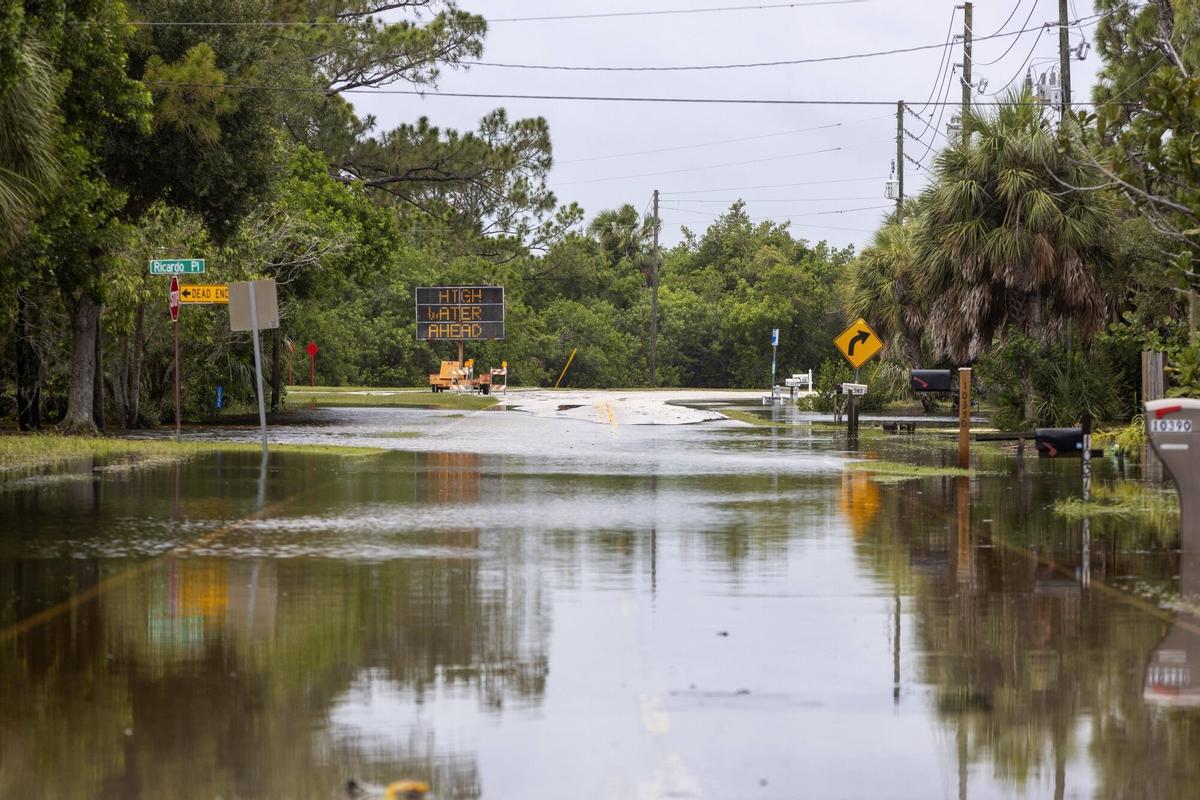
861 337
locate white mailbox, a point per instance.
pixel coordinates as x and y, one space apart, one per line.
1173 427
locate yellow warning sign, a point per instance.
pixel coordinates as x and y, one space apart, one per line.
204 293
858 343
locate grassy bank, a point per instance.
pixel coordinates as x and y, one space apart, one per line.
23 452
889 471
1125 500
343 396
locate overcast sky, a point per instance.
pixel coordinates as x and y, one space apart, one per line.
700 182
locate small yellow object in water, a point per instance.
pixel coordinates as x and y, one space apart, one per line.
406 790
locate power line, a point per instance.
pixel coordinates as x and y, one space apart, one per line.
720 166
558 18
584 98
777 185
1025 63
942 63
1013 43
718 142
750 65
672 11
790 216
937 126
1013 13
805 225
749 201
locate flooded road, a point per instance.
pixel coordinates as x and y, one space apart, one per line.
519 607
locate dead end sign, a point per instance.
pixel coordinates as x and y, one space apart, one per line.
204 293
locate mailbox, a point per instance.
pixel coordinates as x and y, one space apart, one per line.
1173 427
930 380
857 389
1058 442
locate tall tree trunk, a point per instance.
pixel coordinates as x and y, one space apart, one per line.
84 323
275 371
98 372
118 383
1027 392
29 370
133 390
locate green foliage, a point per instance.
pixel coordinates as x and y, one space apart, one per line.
1184 368
883 285
1128 439
28 126
1003 247
190 95
1071 384
1066 384
1000 375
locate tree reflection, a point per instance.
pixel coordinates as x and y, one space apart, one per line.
208 676
1031 671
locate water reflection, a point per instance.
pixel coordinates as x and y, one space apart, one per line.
500 629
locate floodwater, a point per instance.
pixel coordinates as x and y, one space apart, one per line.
510 607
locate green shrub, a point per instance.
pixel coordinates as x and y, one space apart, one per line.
1184 369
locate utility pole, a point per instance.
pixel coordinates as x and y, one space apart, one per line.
654 295
899 158
968 10
1064 58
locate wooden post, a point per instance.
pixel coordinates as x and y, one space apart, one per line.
1087 457
964 571
851 415
964 418
461 353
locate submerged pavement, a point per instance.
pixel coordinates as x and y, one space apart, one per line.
539 604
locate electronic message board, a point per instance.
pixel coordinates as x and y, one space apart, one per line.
458 313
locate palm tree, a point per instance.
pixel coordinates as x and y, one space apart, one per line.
1006 244
883 286
622 235
28 125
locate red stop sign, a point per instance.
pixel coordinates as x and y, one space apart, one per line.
311 349
174 298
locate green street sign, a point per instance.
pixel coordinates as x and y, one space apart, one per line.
177 266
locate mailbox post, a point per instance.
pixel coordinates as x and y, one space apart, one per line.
1173 427
853 391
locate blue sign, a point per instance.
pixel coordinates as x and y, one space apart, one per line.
220 396
774 337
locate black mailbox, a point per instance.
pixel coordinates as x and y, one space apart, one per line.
930 380
1056 442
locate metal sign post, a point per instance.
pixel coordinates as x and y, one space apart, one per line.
774 350
262 409
312 362
173 299
254 306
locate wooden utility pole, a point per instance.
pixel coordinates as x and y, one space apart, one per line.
654 295
968 14
964 417
899 158
1064 58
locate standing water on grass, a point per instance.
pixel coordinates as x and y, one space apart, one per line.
512 607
